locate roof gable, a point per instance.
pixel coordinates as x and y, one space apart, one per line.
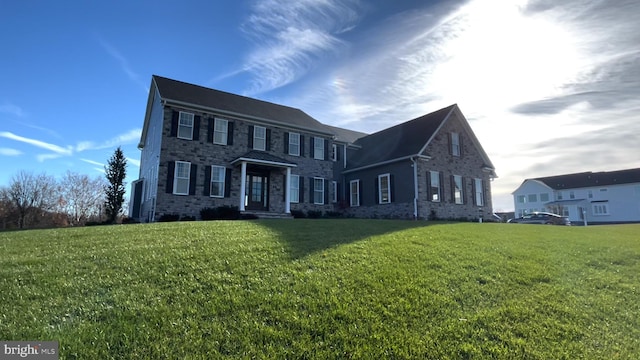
399 141
187 94
591 179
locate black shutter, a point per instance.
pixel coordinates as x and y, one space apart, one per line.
450 135
429 191
474 190
192 179
174 123
460 144
464 191
326 149
301 189
301 145
453 189
286 142
312 187
210 127
196 128
267 146
338 191
338 152
171 166
229 132
250 137
227 182
326 191
311 146
207 181
377 188
392 192
360 191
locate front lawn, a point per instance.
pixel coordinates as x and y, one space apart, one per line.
361 289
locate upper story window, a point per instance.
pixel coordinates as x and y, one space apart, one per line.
533 198
318 148
259 138
572 195
559 195
217 181
590 194
181 178
294 144
185 125
220 131
455 144
384 189
334 152
544 197
435 190
458 192
354 193
521 199
600 208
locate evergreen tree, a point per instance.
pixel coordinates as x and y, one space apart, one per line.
115 171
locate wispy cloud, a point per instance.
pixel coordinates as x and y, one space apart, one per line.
92 162
133 162
12 109
10 152
41 144
124 65
130 137
290 35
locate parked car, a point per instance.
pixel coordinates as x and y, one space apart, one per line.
541 218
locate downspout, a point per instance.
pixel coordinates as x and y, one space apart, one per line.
415 188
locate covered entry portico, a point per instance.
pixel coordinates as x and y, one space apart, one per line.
256 177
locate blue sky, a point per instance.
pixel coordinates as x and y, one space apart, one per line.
548 87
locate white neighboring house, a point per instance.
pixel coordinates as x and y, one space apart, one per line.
603 197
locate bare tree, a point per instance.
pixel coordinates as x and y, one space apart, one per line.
81 197
31 195
6 208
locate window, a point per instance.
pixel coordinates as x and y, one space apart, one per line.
590 194
458 195
434 186
334 191
294 189
479 192
334 152
603 190
455 144
185 126
217 181
565 211
259 138
181 178
522 199
533 198
318 148
220 131
294 144
559 195
318 191
384 189
600 208
544 197
572 195
354 193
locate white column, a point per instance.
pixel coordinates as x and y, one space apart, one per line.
287 192
243 184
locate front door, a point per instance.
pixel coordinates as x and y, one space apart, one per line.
257 195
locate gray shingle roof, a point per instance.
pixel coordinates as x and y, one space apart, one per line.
403 140
234 104
591 179
345 135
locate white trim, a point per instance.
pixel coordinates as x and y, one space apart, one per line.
176 177
264 162
224 173
297 188
380 177
318 191
193 124
298 144
318 140
225 132
334 191
409 157
357 183
255 137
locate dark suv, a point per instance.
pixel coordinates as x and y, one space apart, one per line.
541 218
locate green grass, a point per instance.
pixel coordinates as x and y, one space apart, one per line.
359 289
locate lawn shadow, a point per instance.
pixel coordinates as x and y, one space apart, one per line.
307 236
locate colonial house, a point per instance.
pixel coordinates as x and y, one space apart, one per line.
591 197
204 148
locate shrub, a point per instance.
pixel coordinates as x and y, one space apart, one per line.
314 214
169 217
333 214
188 218
298 214
128 220
208 213
228 212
